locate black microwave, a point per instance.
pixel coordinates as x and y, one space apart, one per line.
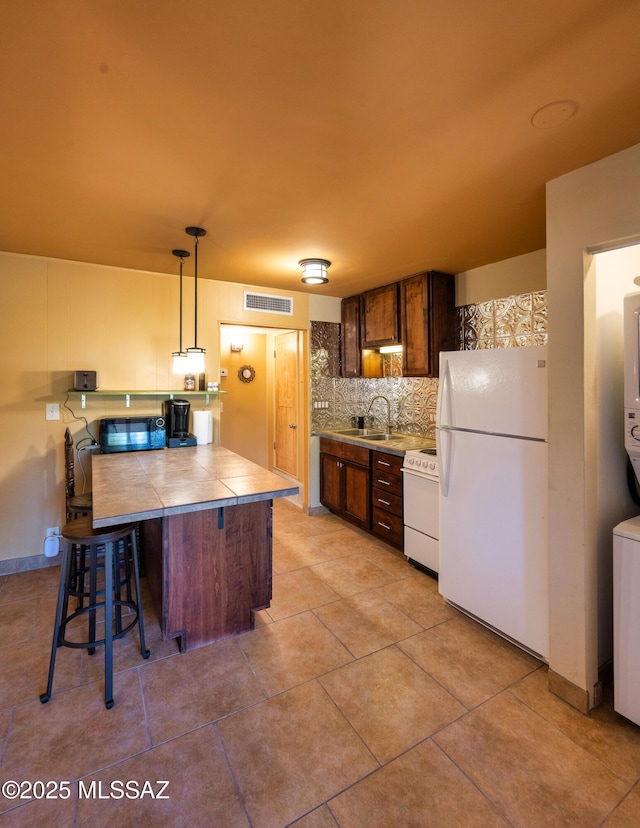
132 434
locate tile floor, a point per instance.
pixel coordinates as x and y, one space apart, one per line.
360 699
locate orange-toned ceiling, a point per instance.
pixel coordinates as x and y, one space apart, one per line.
389 136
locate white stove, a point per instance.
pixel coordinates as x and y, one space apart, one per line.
421 497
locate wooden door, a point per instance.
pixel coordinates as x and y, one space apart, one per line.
286 371
428 314
357 494
350 339
379 317
331 477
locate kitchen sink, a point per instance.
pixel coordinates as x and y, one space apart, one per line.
384 436
369 433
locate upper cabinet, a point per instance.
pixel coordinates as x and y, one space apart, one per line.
350 339
379 322
428 317
419 313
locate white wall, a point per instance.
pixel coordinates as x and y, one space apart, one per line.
598 205
520 274
324 308
615 272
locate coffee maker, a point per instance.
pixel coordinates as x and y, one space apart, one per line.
176 413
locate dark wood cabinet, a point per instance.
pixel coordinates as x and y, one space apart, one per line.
379 320
428 319
350 340
345 481
209 570
386 498
363 486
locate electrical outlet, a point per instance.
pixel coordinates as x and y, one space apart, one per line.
53 531
52 411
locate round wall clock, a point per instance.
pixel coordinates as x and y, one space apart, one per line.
246 373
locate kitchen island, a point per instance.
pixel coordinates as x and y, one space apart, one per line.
205 518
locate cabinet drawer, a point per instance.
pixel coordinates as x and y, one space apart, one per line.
357 454
346 451
388 527
387 501
330 447
386 482
386 463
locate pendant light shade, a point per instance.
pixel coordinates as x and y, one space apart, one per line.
195 354
314 271
180 358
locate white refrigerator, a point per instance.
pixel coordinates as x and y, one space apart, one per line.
491 433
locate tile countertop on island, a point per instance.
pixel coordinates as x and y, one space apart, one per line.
142 485
375 439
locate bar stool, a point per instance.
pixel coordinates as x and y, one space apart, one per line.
77 505
87 551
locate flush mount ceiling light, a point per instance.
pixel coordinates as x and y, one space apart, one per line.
553 114
314 271
195 354
180 358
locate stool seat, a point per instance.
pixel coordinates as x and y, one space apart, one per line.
88 550
83 531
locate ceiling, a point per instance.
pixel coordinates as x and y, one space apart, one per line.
388 136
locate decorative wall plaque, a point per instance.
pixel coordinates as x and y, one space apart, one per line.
246 373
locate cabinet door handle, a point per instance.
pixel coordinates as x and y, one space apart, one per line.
384 526
386 502
382 463
384 482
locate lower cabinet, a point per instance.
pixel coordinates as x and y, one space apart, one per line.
386 497
364 487
345 481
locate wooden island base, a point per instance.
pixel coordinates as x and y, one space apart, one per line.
209 570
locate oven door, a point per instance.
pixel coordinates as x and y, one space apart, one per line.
421 496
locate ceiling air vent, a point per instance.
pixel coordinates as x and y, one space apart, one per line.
268 304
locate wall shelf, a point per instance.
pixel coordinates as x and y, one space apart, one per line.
128 394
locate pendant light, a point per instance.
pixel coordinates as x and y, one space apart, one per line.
314 271
180 357
195 354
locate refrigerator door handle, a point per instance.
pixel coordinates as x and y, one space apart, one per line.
444 459
444 396
443 431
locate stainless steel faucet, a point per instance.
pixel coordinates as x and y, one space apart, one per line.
380 397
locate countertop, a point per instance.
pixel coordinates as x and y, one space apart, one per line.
399 444
140 485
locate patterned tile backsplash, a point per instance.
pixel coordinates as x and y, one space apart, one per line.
515 321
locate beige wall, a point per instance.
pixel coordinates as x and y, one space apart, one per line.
521 274
245 422
591 207
59 316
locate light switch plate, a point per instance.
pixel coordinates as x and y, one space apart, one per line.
52 411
